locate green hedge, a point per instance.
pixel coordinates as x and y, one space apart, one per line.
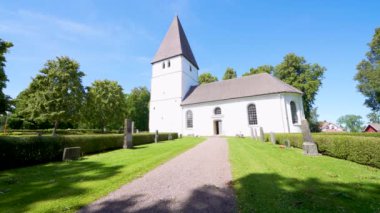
18 151
59 131
359 149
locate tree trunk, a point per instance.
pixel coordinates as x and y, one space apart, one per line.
55 128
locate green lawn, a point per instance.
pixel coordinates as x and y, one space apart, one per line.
268 178
67 186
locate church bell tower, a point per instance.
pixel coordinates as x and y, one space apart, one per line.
174 72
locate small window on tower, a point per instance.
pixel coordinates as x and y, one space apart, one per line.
163 65
190 68
168 63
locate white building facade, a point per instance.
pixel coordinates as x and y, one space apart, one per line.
230 107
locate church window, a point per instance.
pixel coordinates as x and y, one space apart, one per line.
189 119
293 110
252 115
168 63
190 68
217 111
163 65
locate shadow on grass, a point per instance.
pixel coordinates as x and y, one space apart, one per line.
204 199
21 188
274 193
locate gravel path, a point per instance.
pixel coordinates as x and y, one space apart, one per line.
195 181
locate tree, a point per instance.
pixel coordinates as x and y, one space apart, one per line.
306 77
105 105
138 107
313 120
4 99
374 117
368 75
352 123
261 69
229 74
56 94
207 78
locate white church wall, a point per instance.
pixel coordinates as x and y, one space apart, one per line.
168 87
234 116
300 111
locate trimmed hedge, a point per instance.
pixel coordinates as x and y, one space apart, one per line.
359 149
59 131
16 151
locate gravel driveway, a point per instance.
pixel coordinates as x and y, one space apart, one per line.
195 181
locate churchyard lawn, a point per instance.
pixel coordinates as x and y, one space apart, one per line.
67 186
268 178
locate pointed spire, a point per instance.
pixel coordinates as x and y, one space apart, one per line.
175 43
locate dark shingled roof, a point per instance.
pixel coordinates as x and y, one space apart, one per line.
175 43
253 85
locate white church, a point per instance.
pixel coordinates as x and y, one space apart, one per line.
238 106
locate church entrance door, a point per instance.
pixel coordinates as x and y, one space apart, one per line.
217 127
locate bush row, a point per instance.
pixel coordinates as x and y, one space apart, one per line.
60 131
30 150
359 149
362 134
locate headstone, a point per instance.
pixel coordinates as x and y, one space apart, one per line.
272 138
170 137
252 134
156 136
71 153
127 134
180 135
255 133
133 127
309 147
137 131
287 143
262 136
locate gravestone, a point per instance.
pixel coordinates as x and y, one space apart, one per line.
156 136
170 137
287 143
272 138
137 131
309 147
128 134
71 153
252 134
133 127
262 136
180 135
255 133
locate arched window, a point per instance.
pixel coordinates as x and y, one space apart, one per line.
252 115
189 119
163 65
217 111
169 63
191 68
293 109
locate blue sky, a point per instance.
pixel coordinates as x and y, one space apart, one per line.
116 40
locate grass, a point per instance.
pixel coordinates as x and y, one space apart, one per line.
68 186
268 178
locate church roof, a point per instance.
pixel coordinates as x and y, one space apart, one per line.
253 85
175 43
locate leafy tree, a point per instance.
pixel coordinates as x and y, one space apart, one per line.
207 78
56 94
229 74
352 123
368 75
105 105
261 69
313 120
374 117
138 107
4 99
295 71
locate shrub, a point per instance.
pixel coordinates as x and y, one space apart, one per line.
18 151
359 149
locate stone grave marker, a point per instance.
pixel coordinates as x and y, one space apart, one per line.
133 127
272 138
262 136
170 137
255 133
287 143
252 133
309 147
71 153
128 134
156 136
